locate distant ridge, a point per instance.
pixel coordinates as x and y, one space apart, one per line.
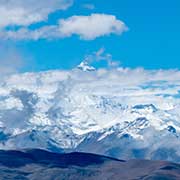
40 164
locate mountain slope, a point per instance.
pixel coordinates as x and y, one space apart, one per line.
39 164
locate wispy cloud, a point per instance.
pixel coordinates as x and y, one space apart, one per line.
88 6
11 61
101 55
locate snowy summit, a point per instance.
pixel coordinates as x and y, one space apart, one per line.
84 66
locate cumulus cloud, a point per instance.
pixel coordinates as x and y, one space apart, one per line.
91 27
24 13
87 27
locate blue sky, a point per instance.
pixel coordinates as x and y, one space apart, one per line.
152 41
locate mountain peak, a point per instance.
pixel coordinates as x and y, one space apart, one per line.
84 66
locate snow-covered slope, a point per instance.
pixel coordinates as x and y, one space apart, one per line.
123 113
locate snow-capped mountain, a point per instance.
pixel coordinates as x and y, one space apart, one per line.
123 113
84 66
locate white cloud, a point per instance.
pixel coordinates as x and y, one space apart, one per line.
91 27
26 12
87 27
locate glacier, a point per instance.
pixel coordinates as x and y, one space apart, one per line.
119 112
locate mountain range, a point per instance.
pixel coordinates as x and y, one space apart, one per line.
122 113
